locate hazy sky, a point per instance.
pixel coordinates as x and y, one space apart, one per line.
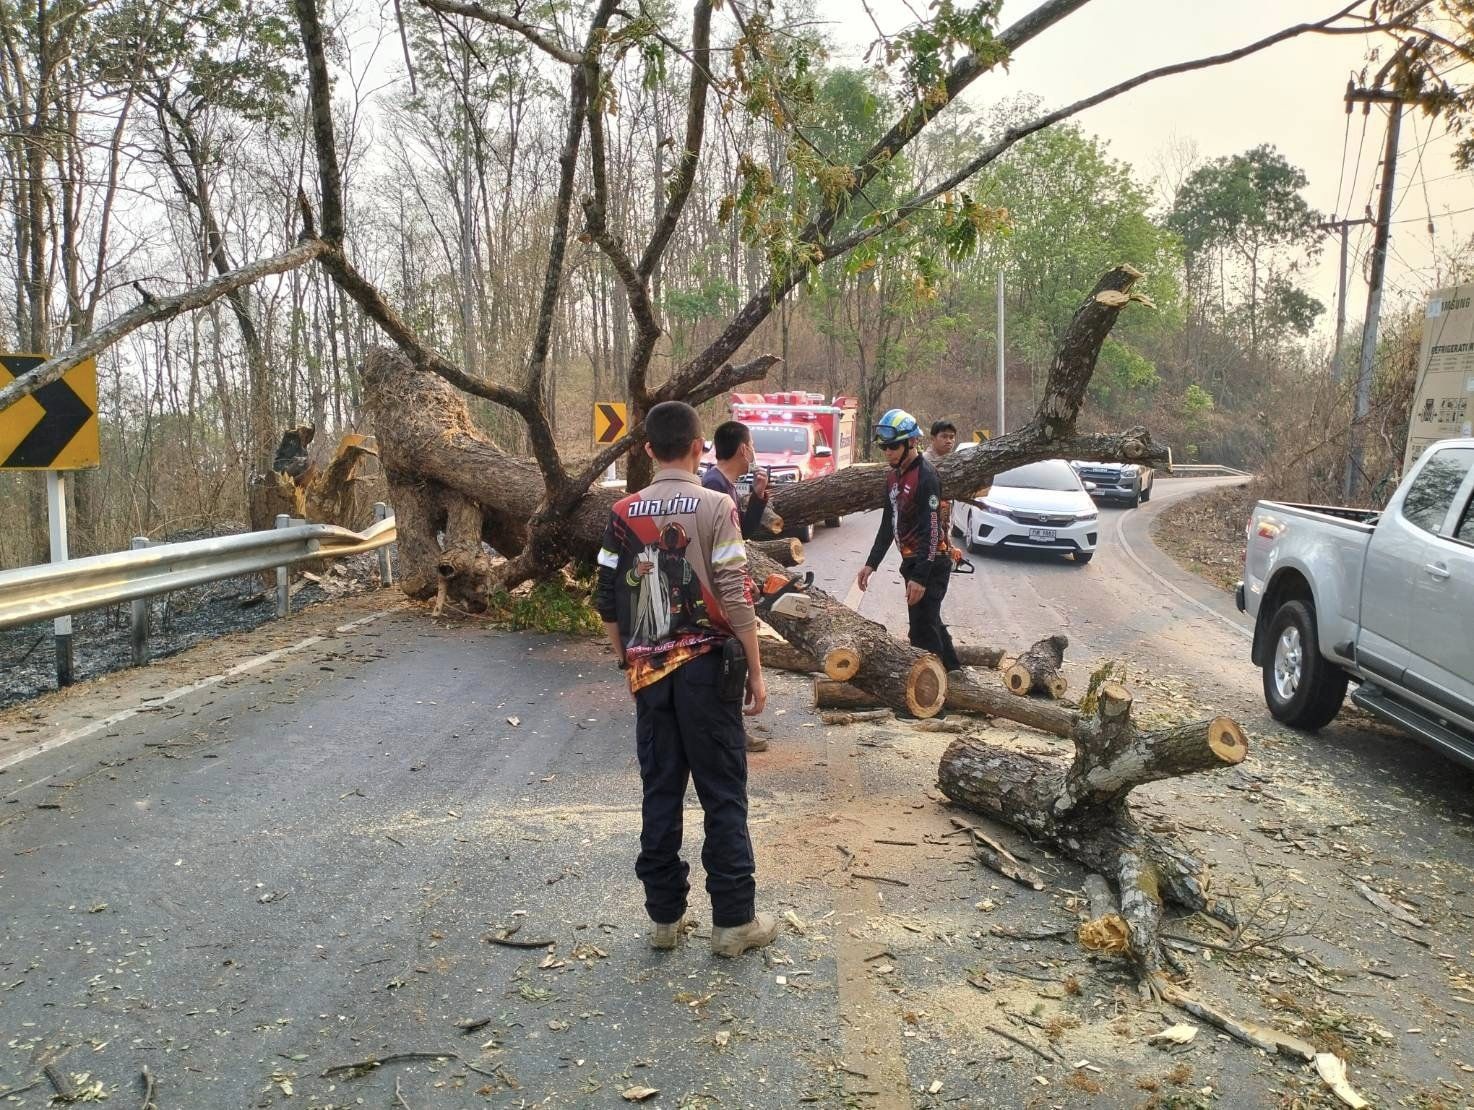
1291 95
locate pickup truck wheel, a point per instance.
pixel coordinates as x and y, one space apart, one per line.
1300 687
831 522
804 533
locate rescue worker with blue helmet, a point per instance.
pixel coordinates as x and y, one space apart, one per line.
912 519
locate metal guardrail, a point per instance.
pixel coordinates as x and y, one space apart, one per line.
1206 470
55 589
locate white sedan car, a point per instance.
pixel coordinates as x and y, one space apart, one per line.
1042 506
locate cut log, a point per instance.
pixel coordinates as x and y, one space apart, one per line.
966 694
860 651
787 552
829 694
855 718
783 656
987 658
1036 671
1079 806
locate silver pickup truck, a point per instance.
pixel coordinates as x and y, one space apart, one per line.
1383 599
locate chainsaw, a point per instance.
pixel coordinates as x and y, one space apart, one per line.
786 596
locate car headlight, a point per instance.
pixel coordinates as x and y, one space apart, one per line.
999 509
785 474
1087 516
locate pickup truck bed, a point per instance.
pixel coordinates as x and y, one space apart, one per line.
1384 599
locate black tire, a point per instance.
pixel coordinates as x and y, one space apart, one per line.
832 521
804 533
1083 557
1146 494
1136 498
1310 692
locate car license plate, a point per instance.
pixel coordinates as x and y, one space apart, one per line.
1042 535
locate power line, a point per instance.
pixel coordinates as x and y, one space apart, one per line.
1341 177
1429 217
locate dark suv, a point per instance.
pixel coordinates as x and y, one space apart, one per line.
1124 482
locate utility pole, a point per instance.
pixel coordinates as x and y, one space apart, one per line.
1002 426
1342 226
1395 103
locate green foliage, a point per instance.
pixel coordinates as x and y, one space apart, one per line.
1122 375
549 606
928 50
1197 407
1247 202
233 56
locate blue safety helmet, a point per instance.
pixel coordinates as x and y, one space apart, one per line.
896 426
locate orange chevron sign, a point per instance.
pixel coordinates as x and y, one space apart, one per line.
54 428
610 421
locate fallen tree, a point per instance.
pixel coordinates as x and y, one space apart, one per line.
447 478
1079 806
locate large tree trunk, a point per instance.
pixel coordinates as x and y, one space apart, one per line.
859 651
1080 806
428 442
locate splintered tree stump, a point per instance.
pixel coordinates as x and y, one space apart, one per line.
1036 671
853 649
785 552
1080 807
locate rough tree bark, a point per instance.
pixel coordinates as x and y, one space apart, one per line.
1080 807
1036 671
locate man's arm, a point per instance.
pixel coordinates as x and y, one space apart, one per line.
885 535
733 588
752 516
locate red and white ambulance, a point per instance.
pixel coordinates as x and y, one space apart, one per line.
798 436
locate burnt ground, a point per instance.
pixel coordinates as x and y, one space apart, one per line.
177 621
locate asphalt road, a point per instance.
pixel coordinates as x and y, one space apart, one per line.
281 853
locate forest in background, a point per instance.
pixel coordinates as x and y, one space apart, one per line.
149 147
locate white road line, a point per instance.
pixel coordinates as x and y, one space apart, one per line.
1135 558
173 695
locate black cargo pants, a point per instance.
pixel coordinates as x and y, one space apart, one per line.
927 631
684 731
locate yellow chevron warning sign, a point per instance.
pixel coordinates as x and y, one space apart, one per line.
55 428
610 422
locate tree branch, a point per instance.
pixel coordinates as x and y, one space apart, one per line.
636 285
963 74
153 311
537 37
1050 435
368 298
583 97
1013 134
685 177
320 96
730 376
